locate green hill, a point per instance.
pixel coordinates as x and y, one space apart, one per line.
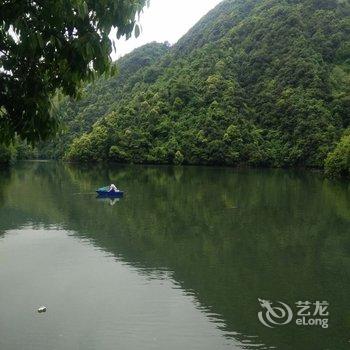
263 82
100 97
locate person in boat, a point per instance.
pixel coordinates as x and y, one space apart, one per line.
113 188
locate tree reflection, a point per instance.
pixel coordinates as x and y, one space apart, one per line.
227 236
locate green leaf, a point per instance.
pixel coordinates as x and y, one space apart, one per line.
137 31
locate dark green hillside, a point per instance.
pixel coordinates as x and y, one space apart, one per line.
264 82
214 25
100 97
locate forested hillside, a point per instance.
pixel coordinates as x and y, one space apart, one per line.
263 82
100 97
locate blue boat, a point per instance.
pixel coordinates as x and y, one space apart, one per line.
105 192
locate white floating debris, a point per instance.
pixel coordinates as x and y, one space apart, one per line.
42 309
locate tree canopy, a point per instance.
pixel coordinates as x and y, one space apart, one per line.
337 163
50 45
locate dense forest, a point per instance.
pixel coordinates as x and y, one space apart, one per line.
259 82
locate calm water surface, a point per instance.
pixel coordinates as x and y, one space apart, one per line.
179 263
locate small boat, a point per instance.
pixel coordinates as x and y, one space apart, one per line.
105 192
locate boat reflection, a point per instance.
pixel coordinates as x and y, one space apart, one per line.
110 201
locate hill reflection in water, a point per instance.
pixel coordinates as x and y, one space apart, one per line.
226 237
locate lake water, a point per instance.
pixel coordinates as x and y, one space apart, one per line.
179 263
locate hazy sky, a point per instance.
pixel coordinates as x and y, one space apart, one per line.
166 20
